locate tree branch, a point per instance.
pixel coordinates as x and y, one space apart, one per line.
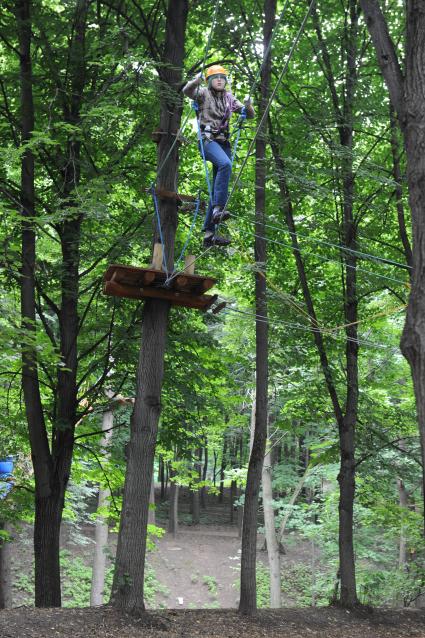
386 55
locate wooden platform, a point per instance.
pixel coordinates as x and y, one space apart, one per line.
147 283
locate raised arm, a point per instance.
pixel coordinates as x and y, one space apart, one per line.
193 89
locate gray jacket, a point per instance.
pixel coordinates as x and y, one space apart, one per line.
215 110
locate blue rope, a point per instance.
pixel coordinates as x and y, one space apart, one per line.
201 144
240 124
197 206
155 202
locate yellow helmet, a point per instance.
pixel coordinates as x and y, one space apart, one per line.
215 69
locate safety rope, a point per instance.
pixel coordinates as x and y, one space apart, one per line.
266 111
195 106
239 125
192 226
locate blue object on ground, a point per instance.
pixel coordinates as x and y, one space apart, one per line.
6 465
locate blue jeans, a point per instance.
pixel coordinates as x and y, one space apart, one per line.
219 154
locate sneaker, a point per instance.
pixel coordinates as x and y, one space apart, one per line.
216 240
220 216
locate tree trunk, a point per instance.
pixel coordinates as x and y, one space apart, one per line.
151 514
128 585
6 596
101 528
406 94
232 498
222 468
196 512
404 504
270 532
248 598
173 515
162 477
204 476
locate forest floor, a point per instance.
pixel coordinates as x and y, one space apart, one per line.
198 573
103 622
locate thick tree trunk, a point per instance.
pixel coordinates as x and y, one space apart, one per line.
413 338
406 94
127 592
248 598
48 516
128 585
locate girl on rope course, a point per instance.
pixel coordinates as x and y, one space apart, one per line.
215 106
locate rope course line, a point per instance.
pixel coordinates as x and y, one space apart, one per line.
359 253
329 259
192 226
266 110
304 328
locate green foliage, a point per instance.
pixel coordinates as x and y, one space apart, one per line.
76 578
211 584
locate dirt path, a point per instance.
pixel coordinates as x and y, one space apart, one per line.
199 567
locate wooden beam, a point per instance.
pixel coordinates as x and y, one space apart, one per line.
174 297
189 264
157 257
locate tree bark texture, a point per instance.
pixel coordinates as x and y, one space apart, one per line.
101 527
128 584
248 597
270 532
403 499
151 515
173 514
406 94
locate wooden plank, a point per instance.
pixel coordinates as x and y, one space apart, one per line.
133 275
157 257
175 297
189 264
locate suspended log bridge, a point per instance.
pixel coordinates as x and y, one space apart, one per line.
183 289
